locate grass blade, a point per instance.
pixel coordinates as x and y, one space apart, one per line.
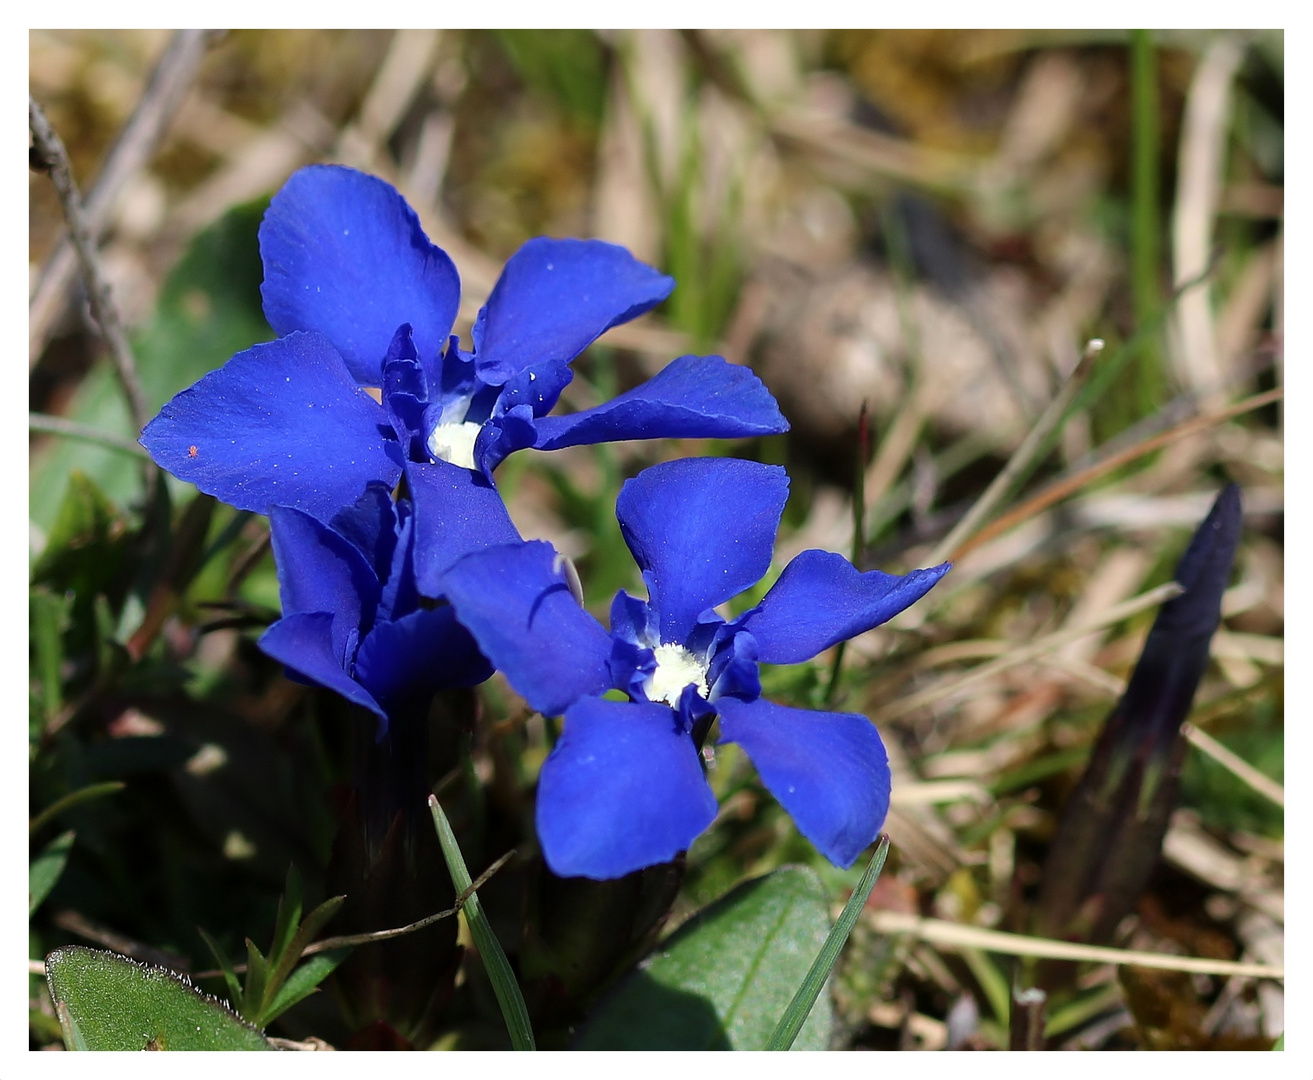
72 799
237 996
45 870
801 1005
495 963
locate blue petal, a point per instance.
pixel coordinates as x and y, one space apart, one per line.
405 393
319 570
283 423
539 387
371 526
400 595
632 621
456 512
734 671
623 789
512 426
694 397
304 643
554 298
828 770
501 436
409 660
702 530
822 599
345 255
515 601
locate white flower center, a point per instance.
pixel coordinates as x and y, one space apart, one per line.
676 668
454 442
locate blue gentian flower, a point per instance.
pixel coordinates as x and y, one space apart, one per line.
624 787
353 620
360 298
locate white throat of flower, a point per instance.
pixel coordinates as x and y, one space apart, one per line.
453 439
676 668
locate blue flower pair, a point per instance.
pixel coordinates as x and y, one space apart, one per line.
373 582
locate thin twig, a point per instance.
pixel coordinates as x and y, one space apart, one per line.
384 935
57 425
1021 459
77 923
940 932
1061 489
1201 165
160 101
1237 766
55 158
313 1043
346 941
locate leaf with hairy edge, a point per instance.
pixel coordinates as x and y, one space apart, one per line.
108 1002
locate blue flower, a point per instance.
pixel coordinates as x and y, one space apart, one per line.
624 786
353 620
360 298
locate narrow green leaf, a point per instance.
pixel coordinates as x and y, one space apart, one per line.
229 974
801 1006
257 979
1146 229
305 933
303 982
287 920
721 981
43 872
108 1002
992 982
513 1009
73 798
47 613
316 920
1280 1044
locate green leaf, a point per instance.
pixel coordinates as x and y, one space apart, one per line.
303 982
257 979
513 1009
84 546
993 983
302 937
722 980
108 1002
43 872
791 1023
47 613
288 919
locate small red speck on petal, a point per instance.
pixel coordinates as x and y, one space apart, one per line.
192 451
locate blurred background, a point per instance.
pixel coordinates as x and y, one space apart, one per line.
911 236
